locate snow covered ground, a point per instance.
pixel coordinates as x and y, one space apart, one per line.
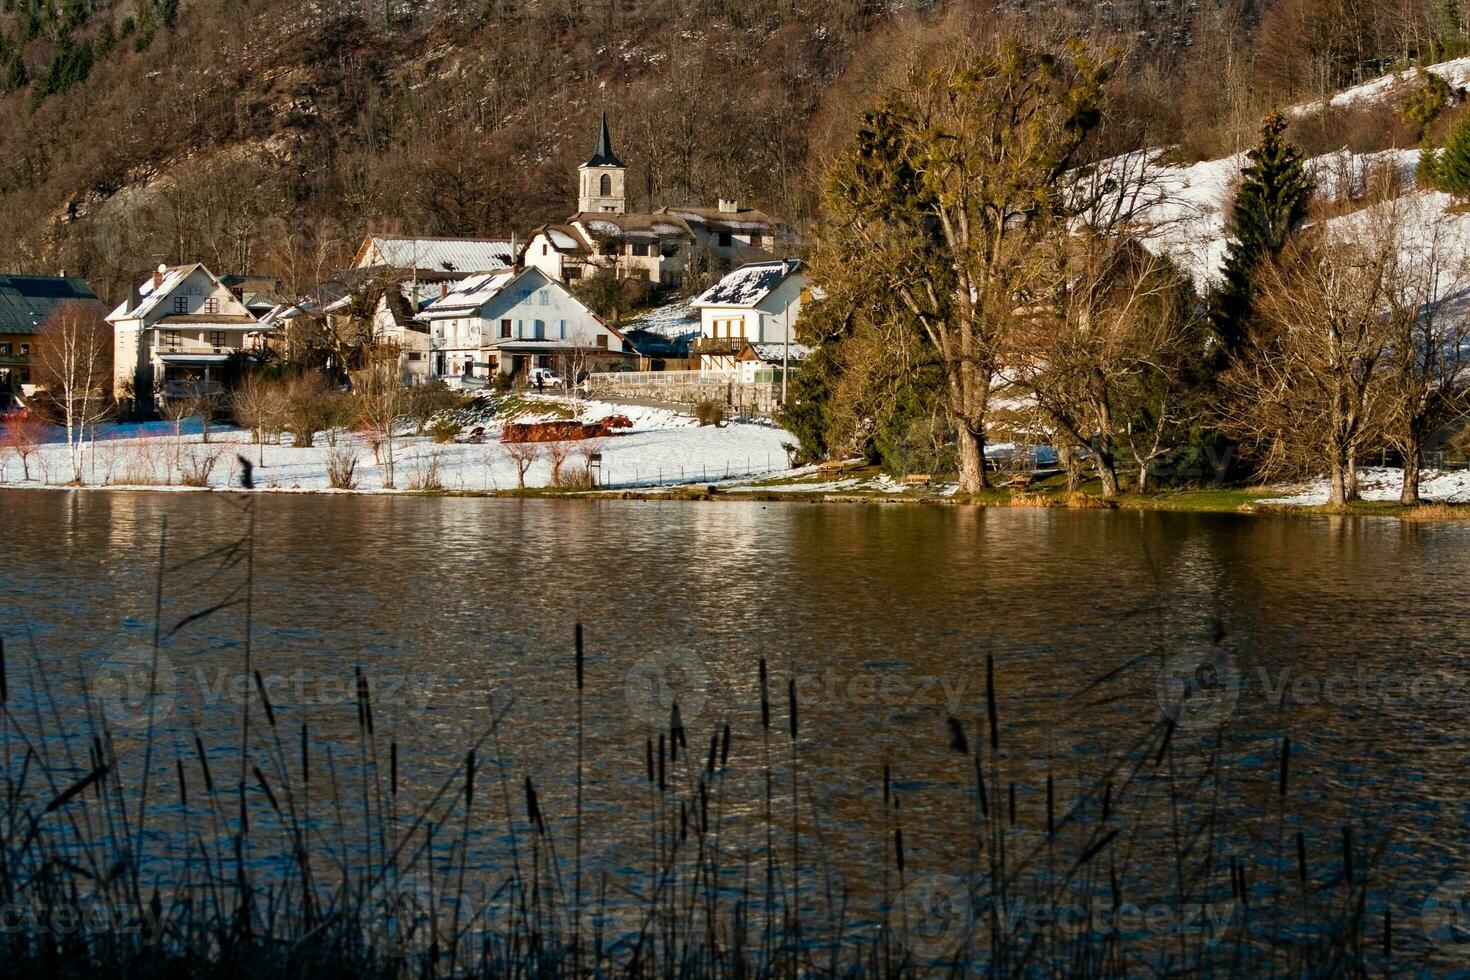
1384 483
664 447
1456 73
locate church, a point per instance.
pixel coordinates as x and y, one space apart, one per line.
660 246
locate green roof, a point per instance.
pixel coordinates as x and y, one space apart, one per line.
27 301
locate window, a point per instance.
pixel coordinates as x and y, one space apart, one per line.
561 330
545 297
525 295
505 329
540 329
181 304
520 329
602 340
604 186
725 239
639 250
25 350
414 355
171 339
211 305
572 272
216 338
545 249
4 350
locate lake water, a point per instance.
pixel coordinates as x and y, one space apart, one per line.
1346 634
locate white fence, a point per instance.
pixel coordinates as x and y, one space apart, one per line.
689 388
744 468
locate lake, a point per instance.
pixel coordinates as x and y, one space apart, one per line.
1345 634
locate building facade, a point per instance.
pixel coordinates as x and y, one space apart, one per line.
26 303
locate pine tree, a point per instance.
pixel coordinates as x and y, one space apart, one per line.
1271 205
1449 169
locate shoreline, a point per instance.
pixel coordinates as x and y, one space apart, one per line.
1230 501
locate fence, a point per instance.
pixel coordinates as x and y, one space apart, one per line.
689 388
633 477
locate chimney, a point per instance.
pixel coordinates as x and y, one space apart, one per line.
443 290
729 207
158 275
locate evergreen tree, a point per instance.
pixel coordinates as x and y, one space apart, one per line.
1271 205
1449 169
16 75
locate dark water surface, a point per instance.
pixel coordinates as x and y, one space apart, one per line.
1348 635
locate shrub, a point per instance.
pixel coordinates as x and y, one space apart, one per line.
1449 169
444 429
341 468
423 474
711 411
196 464
309 409
427 401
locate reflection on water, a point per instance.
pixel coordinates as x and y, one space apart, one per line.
1344 633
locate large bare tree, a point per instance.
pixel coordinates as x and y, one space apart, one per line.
73 358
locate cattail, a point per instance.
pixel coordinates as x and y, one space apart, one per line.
725 747
183 785
662 782
791 702
1013 803
1301 857
898 847
1387 931
676 734
270 715
1285 765
990 702
683 820
305 756
533 809
703 806
648 758
957 741
765 698
469 778
203 763
886 785
579 656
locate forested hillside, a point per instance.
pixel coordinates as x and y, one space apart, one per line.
267 136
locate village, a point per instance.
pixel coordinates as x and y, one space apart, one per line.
479 340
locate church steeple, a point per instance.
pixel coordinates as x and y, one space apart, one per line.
602 177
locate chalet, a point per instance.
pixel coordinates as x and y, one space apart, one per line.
749 317
509 322
26 303
660 247
177 334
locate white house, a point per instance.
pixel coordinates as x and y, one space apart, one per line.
508 322
749 317
395 323
177 332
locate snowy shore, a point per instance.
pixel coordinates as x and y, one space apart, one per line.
663 448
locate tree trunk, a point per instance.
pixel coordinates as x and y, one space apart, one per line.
1337 494
971 446
1107 472
1142 476
1413 464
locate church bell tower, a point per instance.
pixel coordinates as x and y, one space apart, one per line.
602 177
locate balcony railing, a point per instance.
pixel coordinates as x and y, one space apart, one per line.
718 345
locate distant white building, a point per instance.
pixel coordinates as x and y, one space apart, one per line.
176 334
509 322
748 319
435 258
660 246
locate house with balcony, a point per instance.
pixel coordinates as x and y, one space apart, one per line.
747 320
26 303
505 323
177 335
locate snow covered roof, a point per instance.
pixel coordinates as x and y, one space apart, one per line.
773 353
611 227
744 221
472 293
462 255
749 284
27 301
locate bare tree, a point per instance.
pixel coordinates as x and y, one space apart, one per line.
73 358
381 401
21 434
259 405
1310 392
522 454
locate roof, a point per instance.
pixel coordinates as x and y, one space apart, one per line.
27 301
218 319
744 221
621 228
155 288
474 292
773 353
749 284
602 153
564 238
454 255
